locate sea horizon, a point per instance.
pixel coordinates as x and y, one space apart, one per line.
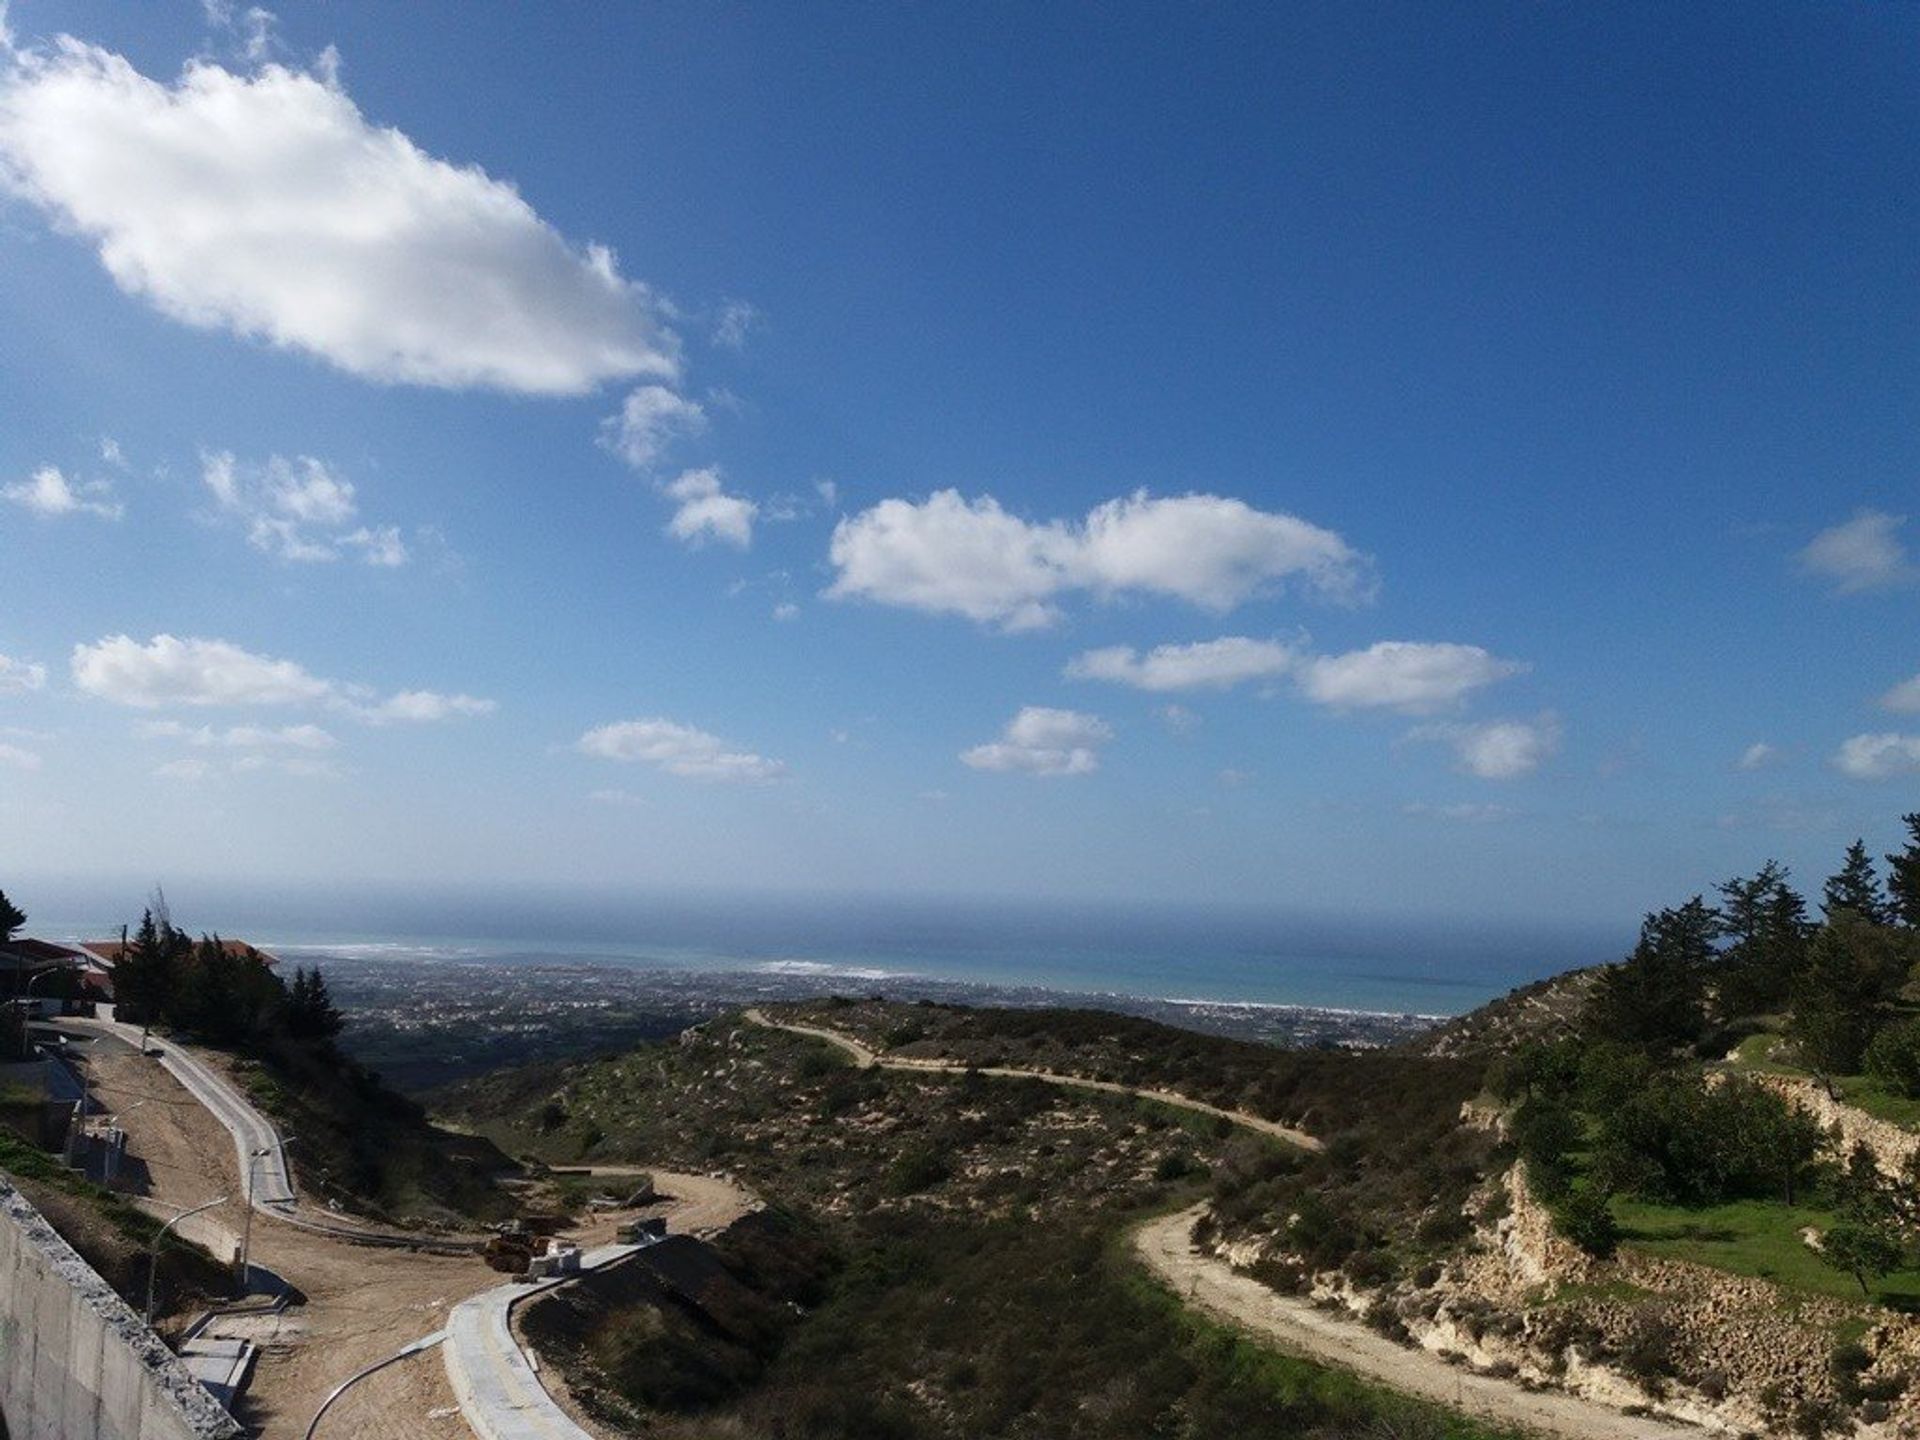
1169 953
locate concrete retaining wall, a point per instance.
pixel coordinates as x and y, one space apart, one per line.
75 1362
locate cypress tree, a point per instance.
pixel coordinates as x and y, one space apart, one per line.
12 917
1903 880
1856 888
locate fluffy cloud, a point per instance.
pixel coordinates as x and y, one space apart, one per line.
297 509
1497 749
170 671
678 750
950 555
707 512
1404 675
1757 756
266 204
241 737
1879 757
19 676
1903 698
1208 664
650 419
1863 553
1040 741
51 495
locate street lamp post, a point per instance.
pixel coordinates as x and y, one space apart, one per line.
153 1261
254 1157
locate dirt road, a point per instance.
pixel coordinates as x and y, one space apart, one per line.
866 1059
1211 1285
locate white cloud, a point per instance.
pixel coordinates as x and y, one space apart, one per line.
1042 741
1412 677
950 555
1903 698
19 676
240 737
707 512
1497 749
737 320
678 750
1863 553
420 707
1757 756
189 770
1879 757
786 610
1234 779
171 671
297 509
18 758
51 495
267 205
1207 664
651 418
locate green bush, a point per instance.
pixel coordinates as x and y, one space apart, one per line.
1893 1057
1586 1218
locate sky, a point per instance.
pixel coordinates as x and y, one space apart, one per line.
1397 459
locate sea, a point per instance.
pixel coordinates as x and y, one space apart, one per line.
1241 953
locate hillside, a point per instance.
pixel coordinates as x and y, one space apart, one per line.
970 1273
1538 1014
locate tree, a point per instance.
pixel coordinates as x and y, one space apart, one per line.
1856 888
1765 921
1863 1250
12 917
1653 997
1585 1217
1835 1004
311 1013
144 974
1893 1058
1903 878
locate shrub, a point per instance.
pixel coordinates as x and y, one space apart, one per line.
1586 1218
1893 1057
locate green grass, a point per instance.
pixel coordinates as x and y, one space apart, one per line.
1760 1238
1766 1054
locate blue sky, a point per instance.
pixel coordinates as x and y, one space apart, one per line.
770 447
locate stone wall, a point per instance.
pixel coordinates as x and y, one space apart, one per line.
1892 1146
75 1362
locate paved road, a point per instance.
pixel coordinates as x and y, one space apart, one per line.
1209 1283
499 1392
252 1132
273 1191
866 1058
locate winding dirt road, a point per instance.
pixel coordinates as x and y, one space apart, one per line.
1209 1284
867 1059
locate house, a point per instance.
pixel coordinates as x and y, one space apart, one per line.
23 961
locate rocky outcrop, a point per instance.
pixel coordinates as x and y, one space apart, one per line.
1684 1341
1893 1148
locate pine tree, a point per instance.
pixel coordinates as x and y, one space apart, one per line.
12 917
1903 879
1765 920
1653 997
1835 1004
1857 888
